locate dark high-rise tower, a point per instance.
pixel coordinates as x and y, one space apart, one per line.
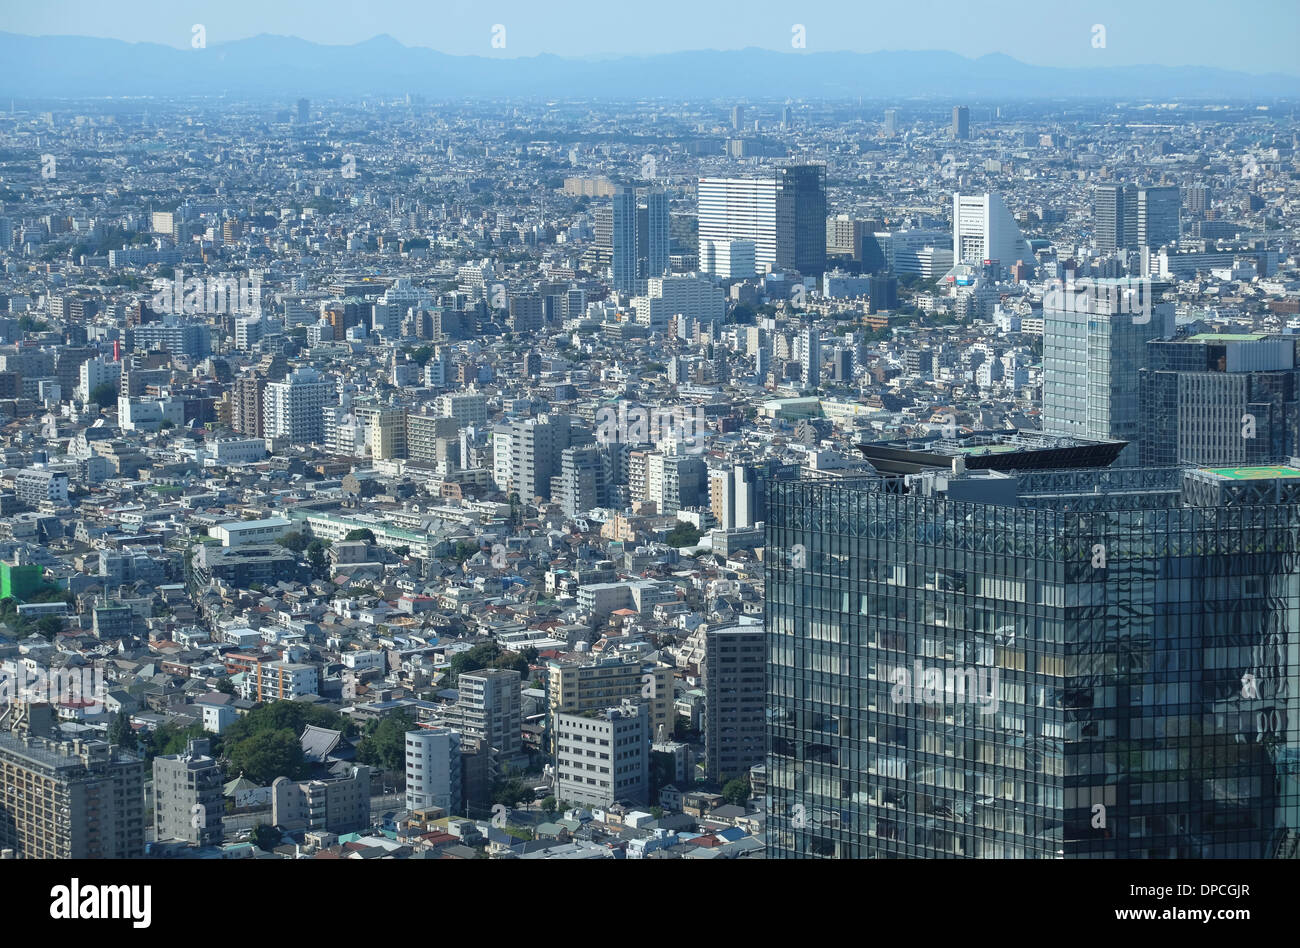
801 218
960 122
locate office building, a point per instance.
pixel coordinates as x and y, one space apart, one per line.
433 770
36 486
526 454
735 661
467 408
1044 665
854 238
675 481
810 358
578 687
583 482
984 231
1158 216
187 795
489 709
1109 222
1219 401
891 122
246 398
728 260
783 212
1127 217
689 296
624 239
190 339
639 237
1094 344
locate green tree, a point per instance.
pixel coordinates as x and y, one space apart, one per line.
365 533
49 626
266 837
320 566
463 551
170 739
104 395
736 791
293 716
225 686
265 756
548 804
684 534
121 733
295 542
512 792
384 744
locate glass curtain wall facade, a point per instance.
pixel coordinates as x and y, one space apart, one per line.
1107 669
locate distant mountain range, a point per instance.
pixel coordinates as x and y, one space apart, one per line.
285 67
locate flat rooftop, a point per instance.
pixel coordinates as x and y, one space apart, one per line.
1262 473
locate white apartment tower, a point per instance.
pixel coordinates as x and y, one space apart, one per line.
433 769
293 408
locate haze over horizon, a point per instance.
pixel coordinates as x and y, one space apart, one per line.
1201 36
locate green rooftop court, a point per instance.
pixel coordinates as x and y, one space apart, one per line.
1264 473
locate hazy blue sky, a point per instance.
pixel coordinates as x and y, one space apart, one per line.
1258 36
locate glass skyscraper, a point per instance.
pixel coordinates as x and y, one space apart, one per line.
1056 664
1219 399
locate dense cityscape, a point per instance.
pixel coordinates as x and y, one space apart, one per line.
407 478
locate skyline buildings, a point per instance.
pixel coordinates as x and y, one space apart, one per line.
469 280
1129 217
640 239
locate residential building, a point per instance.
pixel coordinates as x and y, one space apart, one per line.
187 795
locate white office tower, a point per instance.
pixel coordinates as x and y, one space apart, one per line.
737 209
688 296
810 358
433 770
729 260
983 229
293 408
